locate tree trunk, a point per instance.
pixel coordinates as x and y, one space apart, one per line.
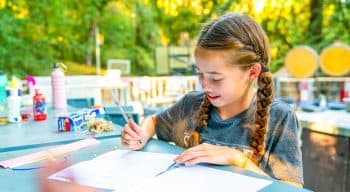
91 44
315 26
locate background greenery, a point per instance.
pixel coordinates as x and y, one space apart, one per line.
36 33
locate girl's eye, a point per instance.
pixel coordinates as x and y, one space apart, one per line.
200 75
216 80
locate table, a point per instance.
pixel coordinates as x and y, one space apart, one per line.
25 135
20 180
334 122
326 150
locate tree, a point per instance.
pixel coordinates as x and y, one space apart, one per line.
34 34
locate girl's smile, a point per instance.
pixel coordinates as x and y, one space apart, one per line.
213 99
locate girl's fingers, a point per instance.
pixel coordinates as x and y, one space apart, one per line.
131 144
128 130
197 160
135 127
126 143
127 136
201 150
130 138
190 155
131 141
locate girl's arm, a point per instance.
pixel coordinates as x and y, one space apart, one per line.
251 166
149 125
293 183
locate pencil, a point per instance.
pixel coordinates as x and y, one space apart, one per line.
125 116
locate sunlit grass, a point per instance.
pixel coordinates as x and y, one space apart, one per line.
81 69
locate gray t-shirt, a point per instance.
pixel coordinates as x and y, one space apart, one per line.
282 158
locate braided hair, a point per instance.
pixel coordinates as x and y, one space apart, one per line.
250 45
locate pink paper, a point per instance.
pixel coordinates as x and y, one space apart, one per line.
48 153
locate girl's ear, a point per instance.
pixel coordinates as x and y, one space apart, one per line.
254 71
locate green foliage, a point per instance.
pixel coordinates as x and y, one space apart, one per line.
19 52
146 65
118 30
36 33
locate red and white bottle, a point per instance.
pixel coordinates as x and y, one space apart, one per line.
39 106
59 98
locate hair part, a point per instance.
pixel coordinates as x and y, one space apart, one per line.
249 45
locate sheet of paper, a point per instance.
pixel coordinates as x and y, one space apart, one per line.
48 153
133 171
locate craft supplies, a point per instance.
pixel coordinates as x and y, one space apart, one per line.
99 125
39 106
75 121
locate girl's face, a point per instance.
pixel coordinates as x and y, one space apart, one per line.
225 84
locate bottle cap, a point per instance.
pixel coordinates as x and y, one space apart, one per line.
55 66
61 66
14 83
30 80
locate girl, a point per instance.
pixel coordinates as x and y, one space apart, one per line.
230 123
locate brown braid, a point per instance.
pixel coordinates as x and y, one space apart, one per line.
203 121
264 99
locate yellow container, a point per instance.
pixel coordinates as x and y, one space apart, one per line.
335 59
301 61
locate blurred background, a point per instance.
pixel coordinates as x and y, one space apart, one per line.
34 34
143 50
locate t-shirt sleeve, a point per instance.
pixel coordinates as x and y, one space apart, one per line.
180 118
285 159
171 121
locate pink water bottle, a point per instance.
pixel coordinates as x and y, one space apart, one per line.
59 98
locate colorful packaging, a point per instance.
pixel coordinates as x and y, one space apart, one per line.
39 106
75 121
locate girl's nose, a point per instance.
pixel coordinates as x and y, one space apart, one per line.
205 86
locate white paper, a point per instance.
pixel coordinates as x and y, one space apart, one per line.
134 171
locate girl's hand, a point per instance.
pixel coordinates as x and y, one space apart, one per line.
133 136
207 153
